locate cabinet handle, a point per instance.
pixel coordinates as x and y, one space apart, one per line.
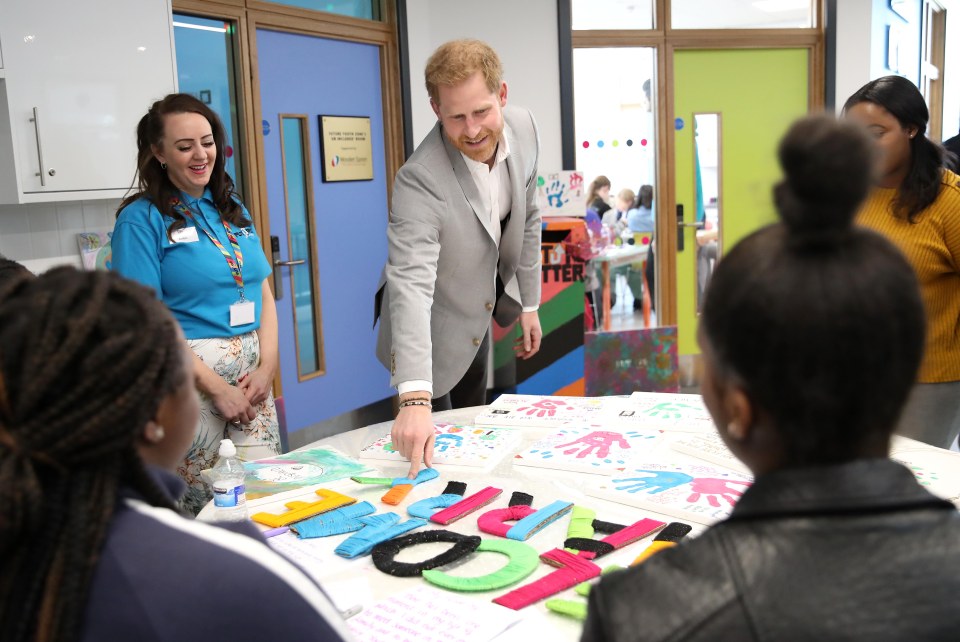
36 127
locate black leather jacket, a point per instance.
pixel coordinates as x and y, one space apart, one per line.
858 551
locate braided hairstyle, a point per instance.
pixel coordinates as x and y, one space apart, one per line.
820 321
153 181
85 360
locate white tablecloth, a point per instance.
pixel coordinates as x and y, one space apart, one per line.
367 585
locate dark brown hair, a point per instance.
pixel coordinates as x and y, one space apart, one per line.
85 359
152 180
904 101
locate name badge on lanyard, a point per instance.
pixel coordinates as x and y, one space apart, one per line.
243 312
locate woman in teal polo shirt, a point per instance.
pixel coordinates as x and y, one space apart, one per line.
185 234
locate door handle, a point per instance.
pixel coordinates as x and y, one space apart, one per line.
277 263
681 225
36 127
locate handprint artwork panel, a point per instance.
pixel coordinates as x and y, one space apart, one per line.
455 444
589 449
703 494
659 411
539 411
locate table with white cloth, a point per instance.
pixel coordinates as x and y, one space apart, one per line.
338 575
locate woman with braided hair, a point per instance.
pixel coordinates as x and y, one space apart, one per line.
185 234
97 408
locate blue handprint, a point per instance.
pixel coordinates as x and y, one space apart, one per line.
445 441
653 481
555 195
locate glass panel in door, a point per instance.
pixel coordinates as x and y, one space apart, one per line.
614 98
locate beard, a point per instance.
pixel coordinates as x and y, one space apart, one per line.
483 153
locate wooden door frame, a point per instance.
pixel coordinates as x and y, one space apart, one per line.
251 15
666 41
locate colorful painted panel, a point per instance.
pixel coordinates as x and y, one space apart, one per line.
702 494
619 363
558 367
455 444
297 470
589 450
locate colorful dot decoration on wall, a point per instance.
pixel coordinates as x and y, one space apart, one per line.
600 144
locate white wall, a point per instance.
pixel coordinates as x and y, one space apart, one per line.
861 52
951 85
853 47
42 235
524 34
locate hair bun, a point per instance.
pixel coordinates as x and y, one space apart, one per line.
827 172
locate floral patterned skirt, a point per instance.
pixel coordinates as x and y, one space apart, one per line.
231 358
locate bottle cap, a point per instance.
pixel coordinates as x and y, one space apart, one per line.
227 449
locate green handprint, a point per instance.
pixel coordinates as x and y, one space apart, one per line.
669 410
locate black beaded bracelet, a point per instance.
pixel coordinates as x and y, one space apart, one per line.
416 402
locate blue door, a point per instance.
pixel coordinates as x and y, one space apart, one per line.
329 238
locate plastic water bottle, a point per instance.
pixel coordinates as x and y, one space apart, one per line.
229 490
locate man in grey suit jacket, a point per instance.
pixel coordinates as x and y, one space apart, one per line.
464 245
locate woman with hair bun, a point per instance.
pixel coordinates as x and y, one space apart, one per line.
812 333
915 203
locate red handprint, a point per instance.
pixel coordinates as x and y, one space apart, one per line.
545 408
599 441
712 489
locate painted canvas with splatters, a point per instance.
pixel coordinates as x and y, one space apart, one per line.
591 449
618 363
298 469
694 492
457 444
540 411
658 411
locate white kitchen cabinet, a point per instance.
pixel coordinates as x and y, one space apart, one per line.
76 79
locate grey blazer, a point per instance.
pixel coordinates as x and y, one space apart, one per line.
436 293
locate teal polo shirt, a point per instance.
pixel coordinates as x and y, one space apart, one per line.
192 276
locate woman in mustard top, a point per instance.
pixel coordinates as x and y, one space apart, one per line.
916 204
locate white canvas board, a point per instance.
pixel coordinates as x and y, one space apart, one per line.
589 450
699 493
456 444
541 411
709 447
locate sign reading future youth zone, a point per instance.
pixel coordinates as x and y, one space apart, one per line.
346 148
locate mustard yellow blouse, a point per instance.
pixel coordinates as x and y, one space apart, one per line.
932 246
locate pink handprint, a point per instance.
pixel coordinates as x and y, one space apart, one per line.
712 489
599 441
545 408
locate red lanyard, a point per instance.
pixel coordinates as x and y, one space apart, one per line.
236 266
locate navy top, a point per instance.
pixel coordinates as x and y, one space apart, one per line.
189 273
164 577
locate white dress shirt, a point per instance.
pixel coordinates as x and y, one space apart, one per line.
496 198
